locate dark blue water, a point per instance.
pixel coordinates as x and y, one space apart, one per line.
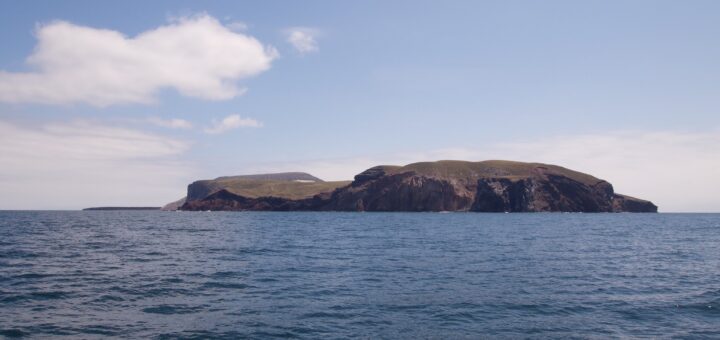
367 275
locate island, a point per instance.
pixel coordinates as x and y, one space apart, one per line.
486 186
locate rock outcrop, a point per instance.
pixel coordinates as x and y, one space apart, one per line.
489 186
228 201
622 203
172 206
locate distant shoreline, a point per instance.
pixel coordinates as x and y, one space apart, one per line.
121 208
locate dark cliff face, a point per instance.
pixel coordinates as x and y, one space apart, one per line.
224 200
402 192
622 203
491 187
198 190
542 193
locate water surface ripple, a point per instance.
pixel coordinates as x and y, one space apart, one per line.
170 275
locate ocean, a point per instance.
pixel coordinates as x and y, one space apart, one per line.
309 275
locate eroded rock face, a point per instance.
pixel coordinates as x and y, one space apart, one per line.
542 193
172 206
403 192
530 189
370 175
622 203
224 200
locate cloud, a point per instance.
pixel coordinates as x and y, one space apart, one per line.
237 26
231 122
197 56
80 164
303 39
173 123
676 170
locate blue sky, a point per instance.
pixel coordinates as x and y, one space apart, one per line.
626 91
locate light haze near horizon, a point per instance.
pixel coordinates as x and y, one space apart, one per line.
124 104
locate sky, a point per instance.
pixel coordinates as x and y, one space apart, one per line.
125 103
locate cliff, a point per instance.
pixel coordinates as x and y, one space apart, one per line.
488 186
172 206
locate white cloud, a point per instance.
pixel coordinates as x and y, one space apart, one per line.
237 26
80 164
676 170
173 123
231 122
303 39
197 56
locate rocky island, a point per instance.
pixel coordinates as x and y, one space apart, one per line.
487 186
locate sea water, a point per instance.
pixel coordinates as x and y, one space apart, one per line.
367 275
